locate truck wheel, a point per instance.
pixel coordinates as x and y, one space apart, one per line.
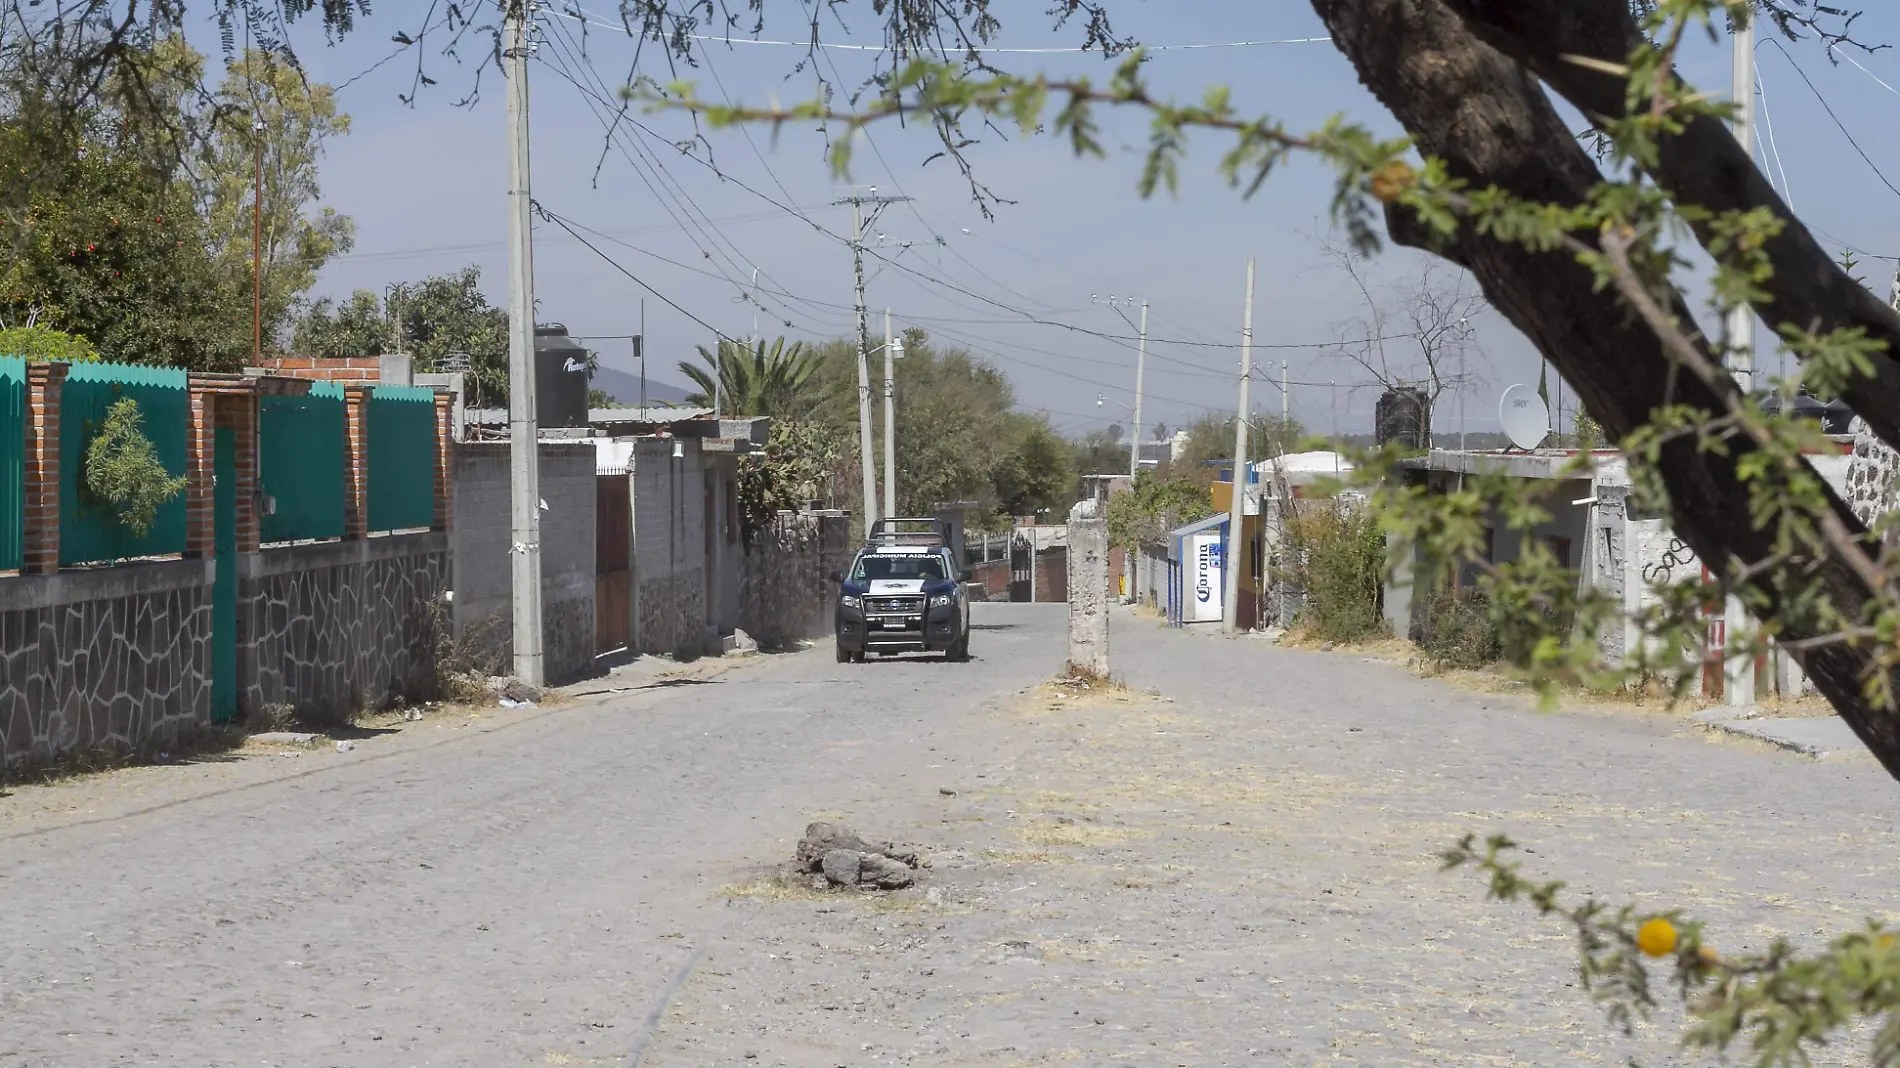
844 655
959 651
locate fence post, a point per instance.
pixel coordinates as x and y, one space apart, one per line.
356 462
200 520
444 453
40 545
241 415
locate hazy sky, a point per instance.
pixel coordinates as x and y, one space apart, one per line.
426 184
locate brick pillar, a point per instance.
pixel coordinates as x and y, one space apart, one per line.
44 384
240 414
356 462
444 453
200 473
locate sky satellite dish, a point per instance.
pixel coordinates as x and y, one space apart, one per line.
1524 416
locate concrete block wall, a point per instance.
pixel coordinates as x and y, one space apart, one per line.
480 544
670 595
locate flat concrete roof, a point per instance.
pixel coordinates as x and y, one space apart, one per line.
1544 463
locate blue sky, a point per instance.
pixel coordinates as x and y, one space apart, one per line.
426 183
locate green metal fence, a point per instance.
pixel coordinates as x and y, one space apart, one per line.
401 428
89 531
12 462
301 455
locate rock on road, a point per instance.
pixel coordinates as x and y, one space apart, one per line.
475 900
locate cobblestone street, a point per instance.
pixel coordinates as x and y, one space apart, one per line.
1238 871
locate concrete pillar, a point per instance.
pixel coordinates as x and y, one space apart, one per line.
1088 588
40 544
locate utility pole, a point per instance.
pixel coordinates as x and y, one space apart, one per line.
1738 688
890 424
1741 318
1141 367
1237 506
1286 412
523 454
866 459
257 249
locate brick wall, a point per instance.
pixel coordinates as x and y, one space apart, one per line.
366 369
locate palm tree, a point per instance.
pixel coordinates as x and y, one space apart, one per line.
752 380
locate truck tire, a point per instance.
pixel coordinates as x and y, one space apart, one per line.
844 655
959 650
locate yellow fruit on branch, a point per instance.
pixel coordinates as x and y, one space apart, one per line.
1656 937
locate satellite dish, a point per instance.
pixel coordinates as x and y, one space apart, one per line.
1524 416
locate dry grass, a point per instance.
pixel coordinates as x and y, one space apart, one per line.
792 886
1075 835
204 743
1015 856
1382 647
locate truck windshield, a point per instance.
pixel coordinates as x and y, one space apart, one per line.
898 568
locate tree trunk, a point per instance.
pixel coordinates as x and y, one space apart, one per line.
1489 120
1702 165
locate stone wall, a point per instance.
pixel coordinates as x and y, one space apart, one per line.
670 613
480 544
115 660
336 627
786 593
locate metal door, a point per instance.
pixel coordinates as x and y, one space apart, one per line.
1020 561
613 571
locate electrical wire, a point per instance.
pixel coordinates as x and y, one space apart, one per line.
616 265
1837 119
1768 122
1844 55
664 194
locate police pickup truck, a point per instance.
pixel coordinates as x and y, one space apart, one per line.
904 593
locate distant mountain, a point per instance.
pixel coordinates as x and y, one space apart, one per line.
624 388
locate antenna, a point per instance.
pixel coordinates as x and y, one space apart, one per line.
1524 416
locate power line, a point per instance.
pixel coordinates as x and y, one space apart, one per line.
616 265
662 192
1837 119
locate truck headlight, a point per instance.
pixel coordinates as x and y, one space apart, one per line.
851 601
942 600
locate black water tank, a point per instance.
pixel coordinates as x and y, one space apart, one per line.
560 377
1404 415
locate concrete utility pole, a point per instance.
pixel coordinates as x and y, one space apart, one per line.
524 458
866 458
257 249
1741 318
1738 684
1286 411
1237 507
890 422
1141 366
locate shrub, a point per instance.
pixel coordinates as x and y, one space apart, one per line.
45 343
123 469
1336 554
1459 632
